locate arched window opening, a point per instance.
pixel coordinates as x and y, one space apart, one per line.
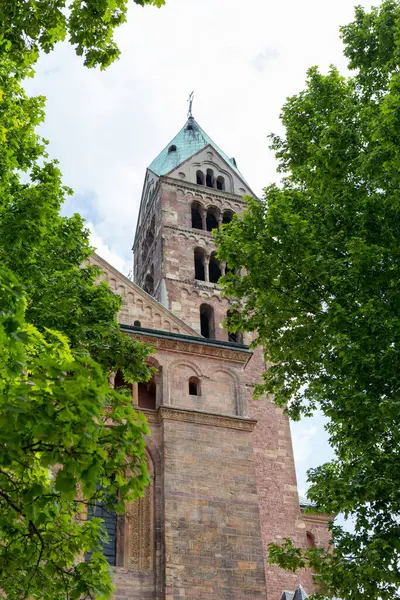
119 381
220 183
172 148
101 510
194 386
211 221
227 217
147 394
199 270
200 178
214 271
197 221
149 284
235 337
137 323
310 540
207 326
210 179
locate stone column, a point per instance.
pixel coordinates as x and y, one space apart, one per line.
206 268
135 394
204 219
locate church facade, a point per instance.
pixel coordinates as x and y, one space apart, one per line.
222 466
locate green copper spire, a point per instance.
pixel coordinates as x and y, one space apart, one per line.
190 140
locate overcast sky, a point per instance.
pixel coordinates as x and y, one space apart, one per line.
241 58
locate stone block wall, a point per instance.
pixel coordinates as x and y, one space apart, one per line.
212 524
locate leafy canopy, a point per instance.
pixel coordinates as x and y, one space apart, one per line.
55 406
26 28
315 266
62 430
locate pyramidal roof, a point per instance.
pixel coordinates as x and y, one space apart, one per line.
190 140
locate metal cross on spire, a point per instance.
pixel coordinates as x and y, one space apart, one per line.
190 100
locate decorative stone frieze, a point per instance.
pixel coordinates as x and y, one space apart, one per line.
199 418
182 346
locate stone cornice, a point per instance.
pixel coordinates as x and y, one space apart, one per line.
172 413
200 285
179 183
197 346
190 231
316 517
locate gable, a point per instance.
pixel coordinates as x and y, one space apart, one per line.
137 304
210 158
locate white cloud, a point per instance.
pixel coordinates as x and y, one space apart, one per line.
242 60
105 252
310 446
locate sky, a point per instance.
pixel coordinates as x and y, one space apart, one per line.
242 59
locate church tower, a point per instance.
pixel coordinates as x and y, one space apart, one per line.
224 483
191 188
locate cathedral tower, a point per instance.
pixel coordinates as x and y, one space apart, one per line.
224 483
191 188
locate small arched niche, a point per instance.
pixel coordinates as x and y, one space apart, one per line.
212 219
207 322
199 177
197 221
137 324
194 386
199 264
214 270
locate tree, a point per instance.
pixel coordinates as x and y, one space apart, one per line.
26 28
315 268
62 430
55 406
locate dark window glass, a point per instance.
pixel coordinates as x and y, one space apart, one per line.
109 547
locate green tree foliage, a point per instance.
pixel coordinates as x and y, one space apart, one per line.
59 339
28 27
55 404
315 266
